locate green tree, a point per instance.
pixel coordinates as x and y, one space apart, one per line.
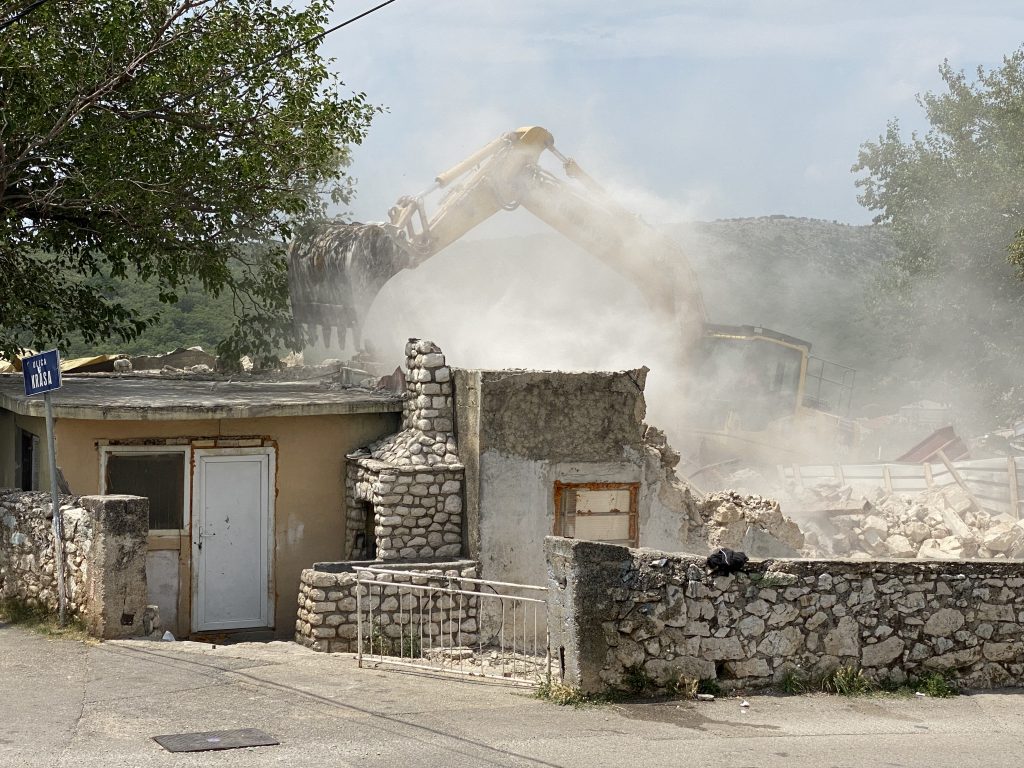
179 142
952 297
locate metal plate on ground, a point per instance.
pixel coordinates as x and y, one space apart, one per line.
210 740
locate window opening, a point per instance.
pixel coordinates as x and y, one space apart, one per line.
160 477
604 512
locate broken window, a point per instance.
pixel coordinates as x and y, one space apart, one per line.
159 476
597 512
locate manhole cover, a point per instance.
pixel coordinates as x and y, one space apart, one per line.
204 742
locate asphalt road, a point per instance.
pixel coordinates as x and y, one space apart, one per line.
64 703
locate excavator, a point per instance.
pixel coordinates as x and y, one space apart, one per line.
761 387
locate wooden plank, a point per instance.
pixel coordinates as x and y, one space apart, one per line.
887 478
956 476
184 627
1011 466
163 541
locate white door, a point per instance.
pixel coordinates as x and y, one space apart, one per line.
231 539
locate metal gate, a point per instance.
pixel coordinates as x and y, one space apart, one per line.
452 624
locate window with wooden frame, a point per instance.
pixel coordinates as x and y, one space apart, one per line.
158 472
597 512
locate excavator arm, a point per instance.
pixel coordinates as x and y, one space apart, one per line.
336 272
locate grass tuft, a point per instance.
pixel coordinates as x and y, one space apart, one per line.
565 695
938 686
848 681
38 619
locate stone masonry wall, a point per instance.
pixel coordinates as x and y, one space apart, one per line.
413 480
616 610
418 513
327 619
26 550
105 555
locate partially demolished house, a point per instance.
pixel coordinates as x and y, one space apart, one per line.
251 481
245 478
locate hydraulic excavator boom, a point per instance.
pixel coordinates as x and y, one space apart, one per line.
337 272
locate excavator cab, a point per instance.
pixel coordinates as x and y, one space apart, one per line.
755 376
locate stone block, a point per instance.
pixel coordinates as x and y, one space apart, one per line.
844 640
883 653
944 622
719 649
663 671
783 642
748 668
991 612
1003 651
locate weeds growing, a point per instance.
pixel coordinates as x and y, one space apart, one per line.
41 621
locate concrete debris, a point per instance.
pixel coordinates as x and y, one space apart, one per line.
941 523
752 524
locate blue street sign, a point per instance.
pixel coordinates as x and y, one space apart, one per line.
42 372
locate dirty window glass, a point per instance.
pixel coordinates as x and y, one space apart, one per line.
159 477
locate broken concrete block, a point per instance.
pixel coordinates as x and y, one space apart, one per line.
930 550
955 524
1002 537
900 546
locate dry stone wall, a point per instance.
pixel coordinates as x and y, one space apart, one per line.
328 617
105 542
616 612
27 572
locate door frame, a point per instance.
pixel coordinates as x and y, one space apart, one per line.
198 454
171 539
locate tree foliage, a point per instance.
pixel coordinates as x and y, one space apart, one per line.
175 141
952 296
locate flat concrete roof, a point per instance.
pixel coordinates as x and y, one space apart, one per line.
158 398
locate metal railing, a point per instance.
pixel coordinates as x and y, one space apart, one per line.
452 624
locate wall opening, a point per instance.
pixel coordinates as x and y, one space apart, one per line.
160 477
605 512
364 546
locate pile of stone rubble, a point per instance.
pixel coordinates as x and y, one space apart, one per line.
942 523
749 523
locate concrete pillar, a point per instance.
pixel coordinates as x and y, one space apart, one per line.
116 591
581 578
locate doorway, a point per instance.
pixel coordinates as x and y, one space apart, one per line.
232 539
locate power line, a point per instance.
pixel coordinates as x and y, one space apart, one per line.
4 25
320 35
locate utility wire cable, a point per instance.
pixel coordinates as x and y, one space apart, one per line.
5 24
320 35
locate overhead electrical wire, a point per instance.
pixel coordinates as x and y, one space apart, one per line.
5 24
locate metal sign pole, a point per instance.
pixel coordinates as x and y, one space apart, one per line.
58 522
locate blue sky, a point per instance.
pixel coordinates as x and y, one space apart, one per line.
687 110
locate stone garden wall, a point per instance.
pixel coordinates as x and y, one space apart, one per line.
616 612
26 550
328 619
105 556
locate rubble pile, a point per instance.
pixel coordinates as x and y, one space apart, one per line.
942 523
750 523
